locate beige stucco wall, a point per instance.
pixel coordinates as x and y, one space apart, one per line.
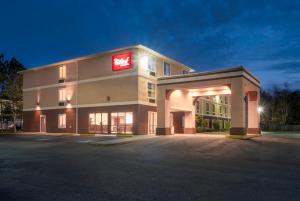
48 76
119 90
101 66
47 97
176 68
41 85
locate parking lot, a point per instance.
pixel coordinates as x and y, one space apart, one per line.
186 167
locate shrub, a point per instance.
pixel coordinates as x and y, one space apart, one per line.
216 125
227 125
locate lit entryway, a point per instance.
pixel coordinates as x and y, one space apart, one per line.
43 123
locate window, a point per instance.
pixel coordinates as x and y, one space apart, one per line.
62 121
226 100
151 90
198 107
225 111
62 72
207 108
121 122
213 109
98 123
152 121
148 63
221 112
167 69
62 95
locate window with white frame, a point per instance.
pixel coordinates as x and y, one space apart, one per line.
151 90
98 122
167 69
61 120
62 95
62 72
121 122
148 63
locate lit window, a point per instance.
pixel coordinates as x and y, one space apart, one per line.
62 95
167 69
151 90
148 63
121 122
62 121
98 122
62 72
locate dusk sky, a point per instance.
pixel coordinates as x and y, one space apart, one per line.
263 36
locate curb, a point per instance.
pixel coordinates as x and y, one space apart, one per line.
242 137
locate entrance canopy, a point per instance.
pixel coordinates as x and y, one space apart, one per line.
179 93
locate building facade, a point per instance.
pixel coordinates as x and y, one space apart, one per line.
99 92
129 90
214 109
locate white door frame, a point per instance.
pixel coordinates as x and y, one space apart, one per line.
43 116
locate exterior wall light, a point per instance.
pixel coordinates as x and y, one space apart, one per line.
260 109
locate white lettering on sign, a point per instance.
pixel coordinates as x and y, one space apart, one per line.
121 62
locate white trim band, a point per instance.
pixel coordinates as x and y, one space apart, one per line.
94 105
83 81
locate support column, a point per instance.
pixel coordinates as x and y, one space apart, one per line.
189 122
163 112
238 107
253 114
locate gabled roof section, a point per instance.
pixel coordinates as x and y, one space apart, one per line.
101 54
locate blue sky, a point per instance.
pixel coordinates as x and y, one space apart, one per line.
263 36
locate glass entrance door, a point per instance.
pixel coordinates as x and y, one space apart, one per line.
43 124
121 122
152 121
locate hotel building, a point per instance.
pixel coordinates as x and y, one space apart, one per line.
214 108
131 90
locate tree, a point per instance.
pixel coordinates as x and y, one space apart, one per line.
281 107
11 86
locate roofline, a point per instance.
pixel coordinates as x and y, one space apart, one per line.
224 70
101 54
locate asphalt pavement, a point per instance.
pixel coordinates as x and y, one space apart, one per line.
166 168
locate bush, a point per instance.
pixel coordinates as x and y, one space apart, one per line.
227 125
216 125
199 121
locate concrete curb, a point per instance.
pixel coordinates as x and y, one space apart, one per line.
242 137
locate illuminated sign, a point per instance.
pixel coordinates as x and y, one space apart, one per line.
121 61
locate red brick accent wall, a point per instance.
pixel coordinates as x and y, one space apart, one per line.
32 120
